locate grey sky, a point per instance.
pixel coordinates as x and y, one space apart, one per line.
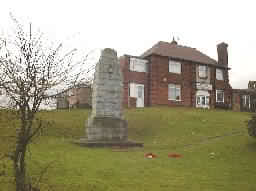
133 26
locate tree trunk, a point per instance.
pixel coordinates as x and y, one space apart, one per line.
20 167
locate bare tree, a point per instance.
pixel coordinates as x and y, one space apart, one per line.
31 72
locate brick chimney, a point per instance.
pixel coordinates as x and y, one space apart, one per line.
222 50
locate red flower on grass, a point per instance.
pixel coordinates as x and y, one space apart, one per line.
150 155
174 155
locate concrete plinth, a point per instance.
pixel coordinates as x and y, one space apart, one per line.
122 144
106 129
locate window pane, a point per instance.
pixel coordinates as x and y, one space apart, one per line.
207 100
245 100
171 91
198 100
174 67
133 90
174 92
219 74
140 89
138 65
202 71
177 94
220 96
203 100
131 65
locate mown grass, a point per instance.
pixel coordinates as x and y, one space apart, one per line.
186 131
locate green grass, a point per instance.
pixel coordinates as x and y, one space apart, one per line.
163 130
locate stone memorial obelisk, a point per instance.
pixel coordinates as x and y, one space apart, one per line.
106 125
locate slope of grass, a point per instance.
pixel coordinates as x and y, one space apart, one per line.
217 153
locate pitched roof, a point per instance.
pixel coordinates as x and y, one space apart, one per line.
250 91
173 50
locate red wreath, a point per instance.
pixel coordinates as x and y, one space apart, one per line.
150 155
174 155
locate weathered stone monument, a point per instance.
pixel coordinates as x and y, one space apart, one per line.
106 126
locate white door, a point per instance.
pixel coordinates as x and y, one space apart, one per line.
140 95
137 91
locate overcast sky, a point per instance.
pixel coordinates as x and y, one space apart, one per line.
133 26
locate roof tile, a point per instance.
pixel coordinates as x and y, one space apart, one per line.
176 51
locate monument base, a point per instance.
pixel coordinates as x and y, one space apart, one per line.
105 129
122 144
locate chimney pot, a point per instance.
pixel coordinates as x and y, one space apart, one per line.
174 42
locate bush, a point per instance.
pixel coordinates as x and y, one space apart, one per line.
252 126
222 106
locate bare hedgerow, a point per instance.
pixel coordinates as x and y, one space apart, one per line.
31 73
252 126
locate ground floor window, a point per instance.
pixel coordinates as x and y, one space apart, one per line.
202 100
174 92
246 100
220 96
137 91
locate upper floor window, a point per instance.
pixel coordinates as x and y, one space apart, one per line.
202 71
174 92
219 74
138 65
219 96
174 67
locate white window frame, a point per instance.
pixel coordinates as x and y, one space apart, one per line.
246 98
220 91
174 67
132 90
200 102
175 87
219 74
138 65
202 71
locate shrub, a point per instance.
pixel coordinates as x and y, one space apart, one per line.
252 126
222 106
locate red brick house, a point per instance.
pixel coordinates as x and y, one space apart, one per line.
245 99
75 97
175 75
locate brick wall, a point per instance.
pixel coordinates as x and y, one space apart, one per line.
132 77
236 105
81 97
221 85
158 77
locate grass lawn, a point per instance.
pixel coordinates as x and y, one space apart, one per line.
193 133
